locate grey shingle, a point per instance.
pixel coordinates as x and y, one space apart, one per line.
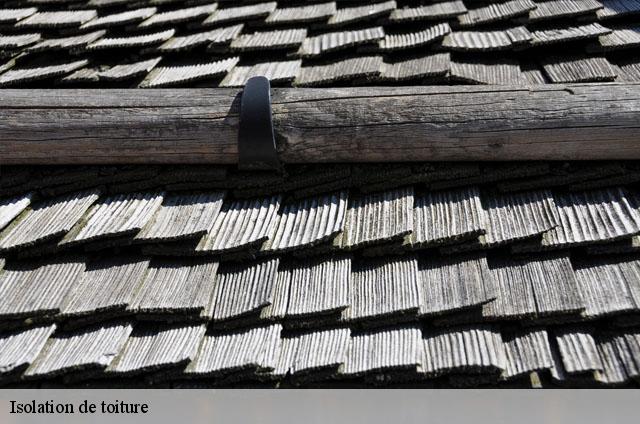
47 220
496 12
242 289
162 346
167 76
454 283
621 38
467 349
106 286
37 289
369 67
349 15
88 349
567 34
618 8
66 43
120 18
308 222
215 37
333 41
220 353
402 41
593 216
486 40
128 70
527 352
183 215
58 19
277 72
179 15
513 291
18 349
604 288
21 75
578 351
12 207
11 16
578 69
310 287
306 13
119 215
380 288
519 215
176 286
320 350
555 9
231 14
384 350
435 65
378 217
133 41
495 72
441 10
269 40
613 369
241 224
16 41
448 216
628 349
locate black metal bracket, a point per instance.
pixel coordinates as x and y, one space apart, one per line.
256 141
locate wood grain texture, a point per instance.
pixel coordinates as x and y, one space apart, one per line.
369 124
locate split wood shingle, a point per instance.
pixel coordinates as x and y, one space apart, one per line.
527 352
179 15
578 69
121 18
361 67
65 18
555 9
21 75
18 349
496 12
441 10
434 65
240 13
277 72
12 207
330 42
349 15
218 36
175 75
306 13
269 40
578 351
402 41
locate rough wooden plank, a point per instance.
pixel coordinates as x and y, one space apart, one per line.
438 123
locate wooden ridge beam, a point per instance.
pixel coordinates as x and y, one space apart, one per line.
366 124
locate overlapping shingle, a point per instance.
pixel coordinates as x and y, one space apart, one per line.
494 12
160 347
496 72
120 18
255 349
277 72
618 8
312 287
66 43
578 351
179 286
132 41
269 40
487 40
520 215
604 288
22 75
384 288
378 217
527 352
89 349
37 289
57 19
107 286
621 38
467 349
308 222
332 41
593 216
18 40
578 69
11 16
555 9
120 215
12 207
384 350
305 13
129 70
174 75
318 350
18 349
232 14
349 15
241 224
434 65
567 34
214 37
47 220
242 289
182 216
452 284
179 15
403 41
440 10
369 67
